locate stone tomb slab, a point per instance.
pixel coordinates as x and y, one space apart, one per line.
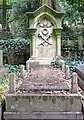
45 79
80 72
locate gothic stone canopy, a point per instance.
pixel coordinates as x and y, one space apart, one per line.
48 12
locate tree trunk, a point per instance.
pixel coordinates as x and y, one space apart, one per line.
4 15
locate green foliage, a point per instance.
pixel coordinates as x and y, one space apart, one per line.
73 20
18 20
57 62
68 33
4 82
71 49
14 46
11 67
73 63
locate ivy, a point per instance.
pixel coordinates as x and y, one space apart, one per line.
16 46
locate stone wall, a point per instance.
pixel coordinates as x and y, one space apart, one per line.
38 106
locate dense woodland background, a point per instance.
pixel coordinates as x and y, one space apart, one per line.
14 40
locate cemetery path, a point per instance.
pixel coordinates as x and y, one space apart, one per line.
45 79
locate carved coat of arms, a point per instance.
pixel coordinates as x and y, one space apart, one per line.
45 33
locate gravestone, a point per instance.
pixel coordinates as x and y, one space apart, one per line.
45 34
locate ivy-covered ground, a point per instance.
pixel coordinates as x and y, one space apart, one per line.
71 63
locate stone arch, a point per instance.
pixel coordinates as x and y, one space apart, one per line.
46 16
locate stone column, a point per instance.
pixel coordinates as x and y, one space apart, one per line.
12 86
74 84
22 67
32 41
31 45
59 44
67 71
27 65
1 58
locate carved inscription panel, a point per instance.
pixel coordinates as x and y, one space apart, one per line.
44 41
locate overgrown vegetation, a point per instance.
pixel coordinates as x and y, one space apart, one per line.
4 81
14 46
72 63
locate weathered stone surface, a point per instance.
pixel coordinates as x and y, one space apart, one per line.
3 72
45 78
12 82
38 106
67 71
45 33
43 102
44 115
27 65
22 67
74 85
45 43
80 72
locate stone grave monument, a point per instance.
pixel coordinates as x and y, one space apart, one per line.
45 34
46 92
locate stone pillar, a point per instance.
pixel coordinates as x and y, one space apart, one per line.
22 67
59 44
67 71
1 58
74 84
12 86
32 42
27 65
31 45
63 67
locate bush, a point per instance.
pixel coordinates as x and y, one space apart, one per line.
16 46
